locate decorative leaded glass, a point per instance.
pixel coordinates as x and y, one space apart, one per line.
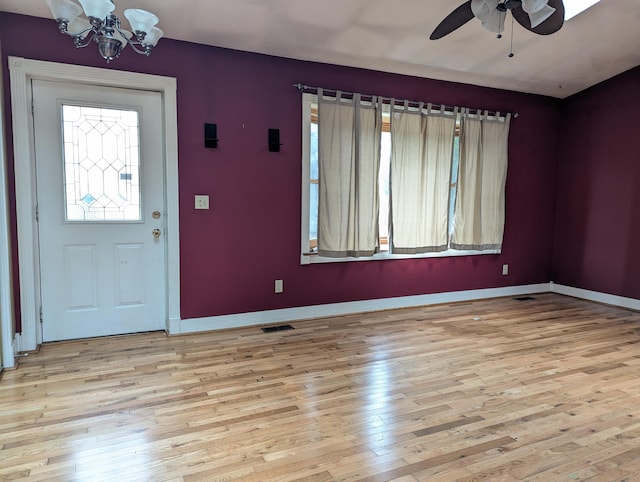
101 164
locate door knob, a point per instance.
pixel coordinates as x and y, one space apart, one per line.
156 233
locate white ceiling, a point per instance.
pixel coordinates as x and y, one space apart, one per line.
393 36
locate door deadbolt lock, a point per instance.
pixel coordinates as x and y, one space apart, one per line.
155 233
155 214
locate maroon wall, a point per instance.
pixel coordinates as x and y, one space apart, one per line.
598 201
231 254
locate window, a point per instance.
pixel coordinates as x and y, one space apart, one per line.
383 180
101 164
387 246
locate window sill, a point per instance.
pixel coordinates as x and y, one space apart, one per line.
315 259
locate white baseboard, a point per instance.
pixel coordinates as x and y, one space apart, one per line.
597 296
176 326
222 322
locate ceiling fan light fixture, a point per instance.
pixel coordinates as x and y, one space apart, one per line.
482 9
495 23
532 6
546 16
541 15
489 14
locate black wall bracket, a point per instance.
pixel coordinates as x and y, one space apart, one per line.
274 140
210 135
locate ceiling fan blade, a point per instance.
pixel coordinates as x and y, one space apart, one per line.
549 26
453 21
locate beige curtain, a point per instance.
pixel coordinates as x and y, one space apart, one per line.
479 212
421 157
348 159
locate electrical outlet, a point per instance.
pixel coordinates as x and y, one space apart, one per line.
202 201
279 288
505 269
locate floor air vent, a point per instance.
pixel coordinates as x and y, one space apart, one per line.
271 329
524 298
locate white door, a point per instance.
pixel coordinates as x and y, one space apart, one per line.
100 189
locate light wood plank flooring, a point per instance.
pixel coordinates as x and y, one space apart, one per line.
538 390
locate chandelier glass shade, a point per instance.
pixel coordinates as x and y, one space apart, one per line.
102 26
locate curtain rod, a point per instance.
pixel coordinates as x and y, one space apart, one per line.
314 90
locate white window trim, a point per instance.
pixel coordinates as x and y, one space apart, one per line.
316 259
307 258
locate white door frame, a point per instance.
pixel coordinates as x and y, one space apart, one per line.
22 71
6 292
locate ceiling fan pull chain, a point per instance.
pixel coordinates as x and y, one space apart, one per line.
511 54
503 13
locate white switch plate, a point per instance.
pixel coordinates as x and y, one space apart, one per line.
279 288
505 269
202 201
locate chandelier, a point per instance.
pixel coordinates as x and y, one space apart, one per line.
103 27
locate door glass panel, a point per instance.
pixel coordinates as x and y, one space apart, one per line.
101 164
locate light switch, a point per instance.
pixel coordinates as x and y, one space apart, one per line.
202 201
278 287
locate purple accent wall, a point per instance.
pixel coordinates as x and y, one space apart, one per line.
597 230
231 254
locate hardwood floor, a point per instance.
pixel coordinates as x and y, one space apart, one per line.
537 390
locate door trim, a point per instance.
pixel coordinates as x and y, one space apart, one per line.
22 71
6 292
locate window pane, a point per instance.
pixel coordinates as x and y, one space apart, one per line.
313 171
454 181
313 212
313 186
383 188
101 164
456 160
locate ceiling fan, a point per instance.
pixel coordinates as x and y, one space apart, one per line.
543 17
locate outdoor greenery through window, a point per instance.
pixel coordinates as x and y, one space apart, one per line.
397 192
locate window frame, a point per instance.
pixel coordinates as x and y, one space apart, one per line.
308 257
